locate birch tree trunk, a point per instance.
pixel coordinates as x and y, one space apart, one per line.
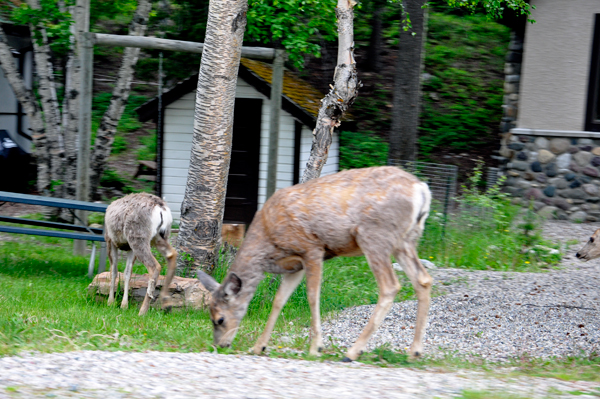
407 84
27 100
50 107
204 200
105 135
340 97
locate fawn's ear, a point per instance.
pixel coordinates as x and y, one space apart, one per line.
208 282
232 284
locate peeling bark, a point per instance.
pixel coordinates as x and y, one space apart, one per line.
27 100
105 135
204 201
340 97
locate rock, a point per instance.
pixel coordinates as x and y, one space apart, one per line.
533 193
595 161
573 150
585 179
528 176
551 170
506 152
517 201
541 143
531 147
585 142
185 292
523 184
575 184
582 158
548 212
550 191
561 215
520 165
516 146
558 146
563 161
513 173
593 200
591 189
574 167
537 205
525 139
577 193
590 171
541 178
585 148
570 176
522 156
545 156
535 166
562 204
578 216
596 151
561 184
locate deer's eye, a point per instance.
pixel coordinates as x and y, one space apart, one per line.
220 321
591 239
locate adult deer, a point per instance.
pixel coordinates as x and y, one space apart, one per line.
134 223
591 250
376 211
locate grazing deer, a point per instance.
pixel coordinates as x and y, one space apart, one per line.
591 250
134 223
376 211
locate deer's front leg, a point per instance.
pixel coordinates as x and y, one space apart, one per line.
314 274
113 258
288 285
127 277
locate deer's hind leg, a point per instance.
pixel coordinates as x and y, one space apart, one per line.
422 281
167 250
113 258
387 281
143 252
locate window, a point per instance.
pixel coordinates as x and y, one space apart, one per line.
592 119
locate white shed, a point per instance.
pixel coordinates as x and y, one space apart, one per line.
247 182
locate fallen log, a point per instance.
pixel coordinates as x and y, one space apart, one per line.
185 292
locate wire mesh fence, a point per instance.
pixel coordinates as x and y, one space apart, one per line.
440 178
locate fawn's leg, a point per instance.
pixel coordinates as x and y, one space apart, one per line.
143 252
388 288
127 277
287 287
113 259
422 282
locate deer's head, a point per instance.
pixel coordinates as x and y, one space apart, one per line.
227 307
591 250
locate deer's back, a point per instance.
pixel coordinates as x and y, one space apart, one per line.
330 211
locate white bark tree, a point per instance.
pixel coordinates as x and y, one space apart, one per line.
54 130
204 199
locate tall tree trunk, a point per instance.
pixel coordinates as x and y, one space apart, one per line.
375 43
105 135
407 84
27 100
204 199
49 101
340 97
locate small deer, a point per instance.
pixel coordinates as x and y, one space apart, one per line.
134 223
591 250
377 212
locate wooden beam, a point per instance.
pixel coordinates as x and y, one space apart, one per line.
276 91
154 43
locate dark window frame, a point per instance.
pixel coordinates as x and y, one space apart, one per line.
592 115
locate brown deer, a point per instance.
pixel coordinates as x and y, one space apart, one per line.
377 212
591 250
134 223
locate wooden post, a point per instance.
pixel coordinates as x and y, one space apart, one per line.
276 91
85 127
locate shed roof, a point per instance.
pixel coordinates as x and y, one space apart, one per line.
299 98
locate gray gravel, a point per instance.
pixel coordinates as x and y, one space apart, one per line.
489 314
498 315
192 375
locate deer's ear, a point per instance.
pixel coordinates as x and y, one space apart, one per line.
232 284
208 282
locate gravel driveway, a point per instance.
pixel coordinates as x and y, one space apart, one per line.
491 314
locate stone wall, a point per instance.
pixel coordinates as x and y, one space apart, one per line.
560 174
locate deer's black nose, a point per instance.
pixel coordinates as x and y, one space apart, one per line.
577 255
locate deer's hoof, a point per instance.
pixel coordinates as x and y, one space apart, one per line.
151 288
